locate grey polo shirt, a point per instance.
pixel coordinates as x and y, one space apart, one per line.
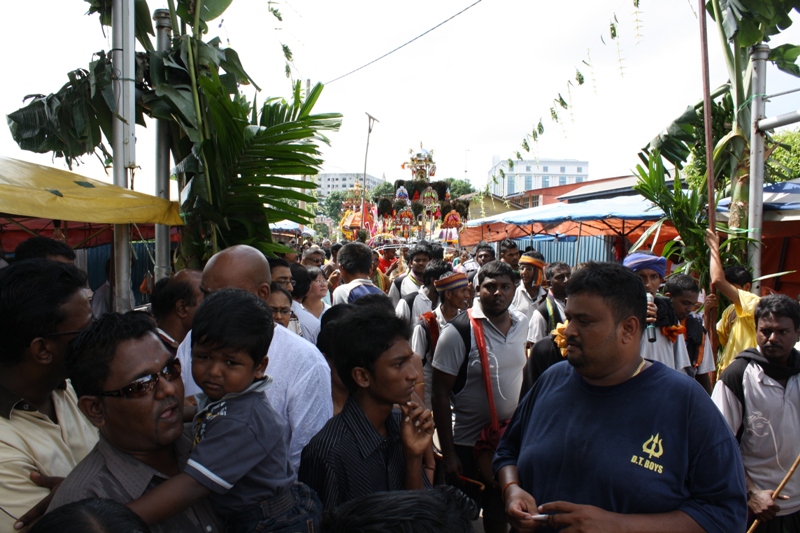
110 473
507 360
240 450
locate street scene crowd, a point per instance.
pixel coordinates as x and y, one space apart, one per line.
405 387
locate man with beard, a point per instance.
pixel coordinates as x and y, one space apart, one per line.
759 395
608 441
458 377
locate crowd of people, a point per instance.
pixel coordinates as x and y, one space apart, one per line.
405 388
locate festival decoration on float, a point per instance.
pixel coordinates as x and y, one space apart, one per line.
401 195
421 208
452 220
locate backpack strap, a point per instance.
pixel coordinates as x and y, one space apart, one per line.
462 325
551 314
409 300
733 378
480 340
398 281
431 326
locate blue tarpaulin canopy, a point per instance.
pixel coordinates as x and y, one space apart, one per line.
622 207
625 216
291 227
781 201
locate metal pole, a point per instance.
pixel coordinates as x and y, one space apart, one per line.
162 267
372 121
123 141
771 123
755 212
302 203
578 244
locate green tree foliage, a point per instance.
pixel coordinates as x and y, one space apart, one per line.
687 210
332 205
386 188
740 25
784 163
459 187
239 166
322 231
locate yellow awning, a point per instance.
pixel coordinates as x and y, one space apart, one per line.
28 189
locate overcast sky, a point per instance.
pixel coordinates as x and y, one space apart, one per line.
468 90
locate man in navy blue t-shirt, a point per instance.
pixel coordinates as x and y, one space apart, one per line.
608 441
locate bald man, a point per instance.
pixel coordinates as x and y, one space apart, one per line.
301 388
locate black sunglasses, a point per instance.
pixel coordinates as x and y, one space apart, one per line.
145 384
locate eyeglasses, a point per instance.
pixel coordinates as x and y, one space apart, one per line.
286 282
145 384
320 281
281 310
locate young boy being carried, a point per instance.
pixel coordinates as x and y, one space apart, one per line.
239 459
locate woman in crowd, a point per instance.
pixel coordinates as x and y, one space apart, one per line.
314 301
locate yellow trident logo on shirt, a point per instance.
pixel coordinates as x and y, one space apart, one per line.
652 447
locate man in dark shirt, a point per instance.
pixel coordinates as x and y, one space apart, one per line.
367 448
129 387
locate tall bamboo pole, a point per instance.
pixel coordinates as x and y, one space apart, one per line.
712 204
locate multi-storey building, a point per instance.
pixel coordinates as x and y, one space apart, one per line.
338 181
532 174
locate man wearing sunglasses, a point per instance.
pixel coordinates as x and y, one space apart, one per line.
129 387
313 257
43 306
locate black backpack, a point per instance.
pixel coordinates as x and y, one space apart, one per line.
462 324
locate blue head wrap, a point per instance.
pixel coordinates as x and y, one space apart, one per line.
637 262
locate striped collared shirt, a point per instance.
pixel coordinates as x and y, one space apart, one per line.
348 458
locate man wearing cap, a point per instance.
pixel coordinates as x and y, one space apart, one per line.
669 347
530 293
413 305
453 293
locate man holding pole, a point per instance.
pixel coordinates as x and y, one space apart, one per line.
759 396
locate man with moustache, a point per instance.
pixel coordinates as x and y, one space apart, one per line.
608 441
759 396
129 387
458 379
